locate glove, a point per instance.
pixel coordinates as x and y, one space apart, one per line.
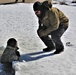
18 53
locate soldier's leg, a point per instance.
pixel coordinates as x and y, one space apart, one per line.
48 42
56 36
23 1
16 1
59 44
7 68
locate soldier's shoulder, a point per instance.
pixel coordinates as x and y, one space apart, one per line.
51 11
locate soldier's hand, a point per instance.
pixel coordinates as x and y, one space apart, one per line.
18 53
41 33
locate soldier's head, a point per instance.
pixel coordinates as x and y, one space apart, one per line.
37 7
12 42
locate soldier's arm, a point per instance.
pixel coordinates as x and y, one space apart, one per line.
39 24
54 24
13 56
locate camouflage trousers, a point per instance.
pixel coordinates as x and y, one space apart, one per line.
55 39
7 69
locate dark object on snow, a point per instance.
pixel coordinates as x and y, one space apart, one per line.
68 44
62 3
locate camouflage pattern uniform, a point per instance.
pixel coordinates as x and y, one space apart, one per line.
7 57
52 22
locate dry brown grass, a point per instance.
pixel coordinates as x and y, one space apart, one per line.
26 1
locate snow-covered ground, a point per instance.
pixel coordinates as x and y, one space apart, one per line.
19 21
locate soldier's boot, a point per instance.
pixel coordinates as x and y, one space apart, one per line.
59 49
48 49
49 43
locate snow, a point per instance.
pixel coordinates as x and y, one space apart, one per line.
20 22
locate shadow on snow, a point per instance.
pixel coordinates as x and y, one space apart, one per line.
35 56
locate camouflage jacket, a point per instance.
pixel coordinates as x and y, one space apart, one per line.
9 55
51 21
